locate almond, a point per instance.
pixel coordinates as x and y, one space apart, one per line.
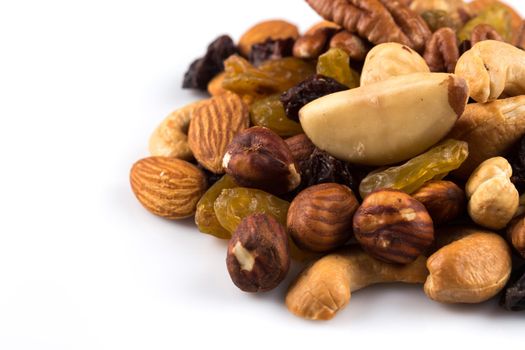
271 29
213 126
167 187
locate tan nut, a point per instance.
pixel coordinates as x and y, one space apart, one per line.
390 60
490 130
271 29
489 75
352 44
444 200
215 85
493 199
483 32
325 288
516 234
170 138
258 254
469 270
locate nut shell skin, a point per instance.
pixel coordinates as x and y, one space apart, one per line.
167 187
320 217
516 234
470 270
259 158
258 254
393 227
444 200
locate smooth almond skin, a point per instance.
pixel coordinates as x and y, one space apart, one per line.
386 122
167 187
470 270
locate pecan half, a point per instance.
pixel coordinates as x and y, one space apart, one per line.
379 21
442 53
313 44
353 45
483 32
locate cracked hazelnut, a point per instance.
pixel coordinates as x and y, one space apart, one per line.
258 254
393 227
259 158
444 200
320 217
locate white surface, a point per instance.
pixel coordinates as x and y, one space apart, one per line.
82 264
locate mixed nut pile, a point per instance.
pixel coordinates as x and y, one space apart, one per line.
384 144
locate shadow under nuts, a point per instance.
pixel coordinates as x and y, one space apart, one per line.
393 227
259 158
258 254
320 217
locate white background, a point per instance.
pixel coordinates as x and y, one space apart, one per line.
82 264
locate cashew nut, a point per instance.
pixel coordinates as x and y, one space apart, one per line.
493 199
324 288
490 130
389 60
170 138
472 269
490 75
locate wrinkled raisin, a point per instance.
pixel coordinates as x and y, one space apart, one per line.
517 161
513 298
270 50
308 90
335 63
203 69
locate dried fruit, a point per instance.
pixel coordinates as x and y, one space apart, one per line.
433 164
335 64
269 112
513 298
202 70
437 19
483 32
306 91
167 187
320 217
205 217
497 16
444 200
258 254
235 204
271 77
271 49
271 29
215 85
393 227
213 126
517 161
259 158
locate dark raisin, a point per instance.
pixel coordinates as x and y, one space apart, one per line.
464 46
203 69
517 161
271 50
513 298
308 90
211 178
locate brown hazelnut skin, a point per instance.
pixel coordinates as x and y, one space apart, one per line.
259 158
444 200
516 234
258 254
392 226
320 217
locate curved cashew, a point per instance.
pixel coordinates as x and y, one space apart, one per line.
489 75
472 269
493 199
324 288
170 138
390 60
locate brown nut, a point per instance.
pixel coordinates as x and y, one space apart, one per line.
471 269
320 217
314 44
352 44
258 254
393 227
215 85
167 187
444 200
516 234
271 29
442 52
259 158
483 32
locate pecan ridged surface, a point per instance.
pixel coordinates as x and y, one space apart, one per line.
442 53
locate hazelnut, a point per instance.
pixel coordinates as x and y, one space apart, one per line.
444 200
392 226
301 148
516 234
320 217
259 158
258 254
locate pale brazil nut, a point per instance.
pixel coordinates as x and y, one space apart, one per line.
325 288
369 125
